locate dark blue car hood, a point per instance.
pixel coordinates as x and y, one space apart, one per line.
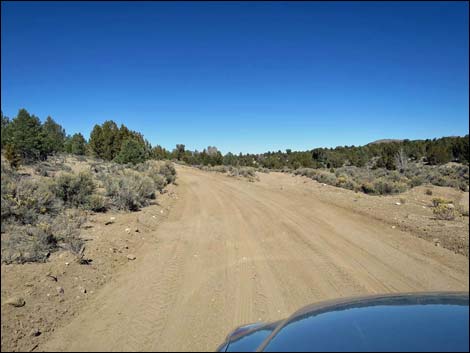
403 322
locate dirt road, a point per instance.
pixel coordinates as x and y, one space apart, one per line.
234 252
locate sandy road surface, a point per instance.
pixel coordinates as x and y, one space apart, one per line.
234 252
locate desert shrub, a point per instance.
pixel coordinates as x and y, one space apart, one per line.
444 212
26 244
325 177
383 186
440 201
246 172
34 242
169 172
428 192
341 180
8 186
160 181
129 190
463 211
368 188
41 170
416 181
74 189
308 172
463 185
24 200
66 229
96 203
161 173
220 169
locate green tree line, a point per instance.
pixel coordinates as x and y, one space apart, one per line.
25 139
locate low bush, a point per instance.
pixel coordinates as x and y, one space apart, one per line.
34 242
25 200
169 172
96 203
440 201
162 173
444 212
74 189
129 190
246 172
380 181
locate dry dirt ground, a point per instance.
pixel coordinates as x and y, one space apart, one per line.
230 252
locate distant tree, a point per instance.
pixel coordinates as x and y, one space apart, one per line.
5 123
78 144
160 153
132 151
96 143
437 154
180 148
53 136
110 139
25 137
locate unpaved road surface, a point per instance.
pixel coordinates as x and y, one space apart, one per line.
234 252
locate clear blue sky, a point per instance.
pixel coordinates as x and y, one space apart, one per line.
247 77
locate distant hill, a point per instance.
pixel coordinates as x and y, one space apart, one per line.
384 141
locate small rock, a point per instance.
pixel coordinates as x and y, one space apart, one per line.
137 230
17 302
449 205
154 216
82 290
131 257
128 230
112 218
161 211
66 264
397 203
34 332
60 290
393 227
